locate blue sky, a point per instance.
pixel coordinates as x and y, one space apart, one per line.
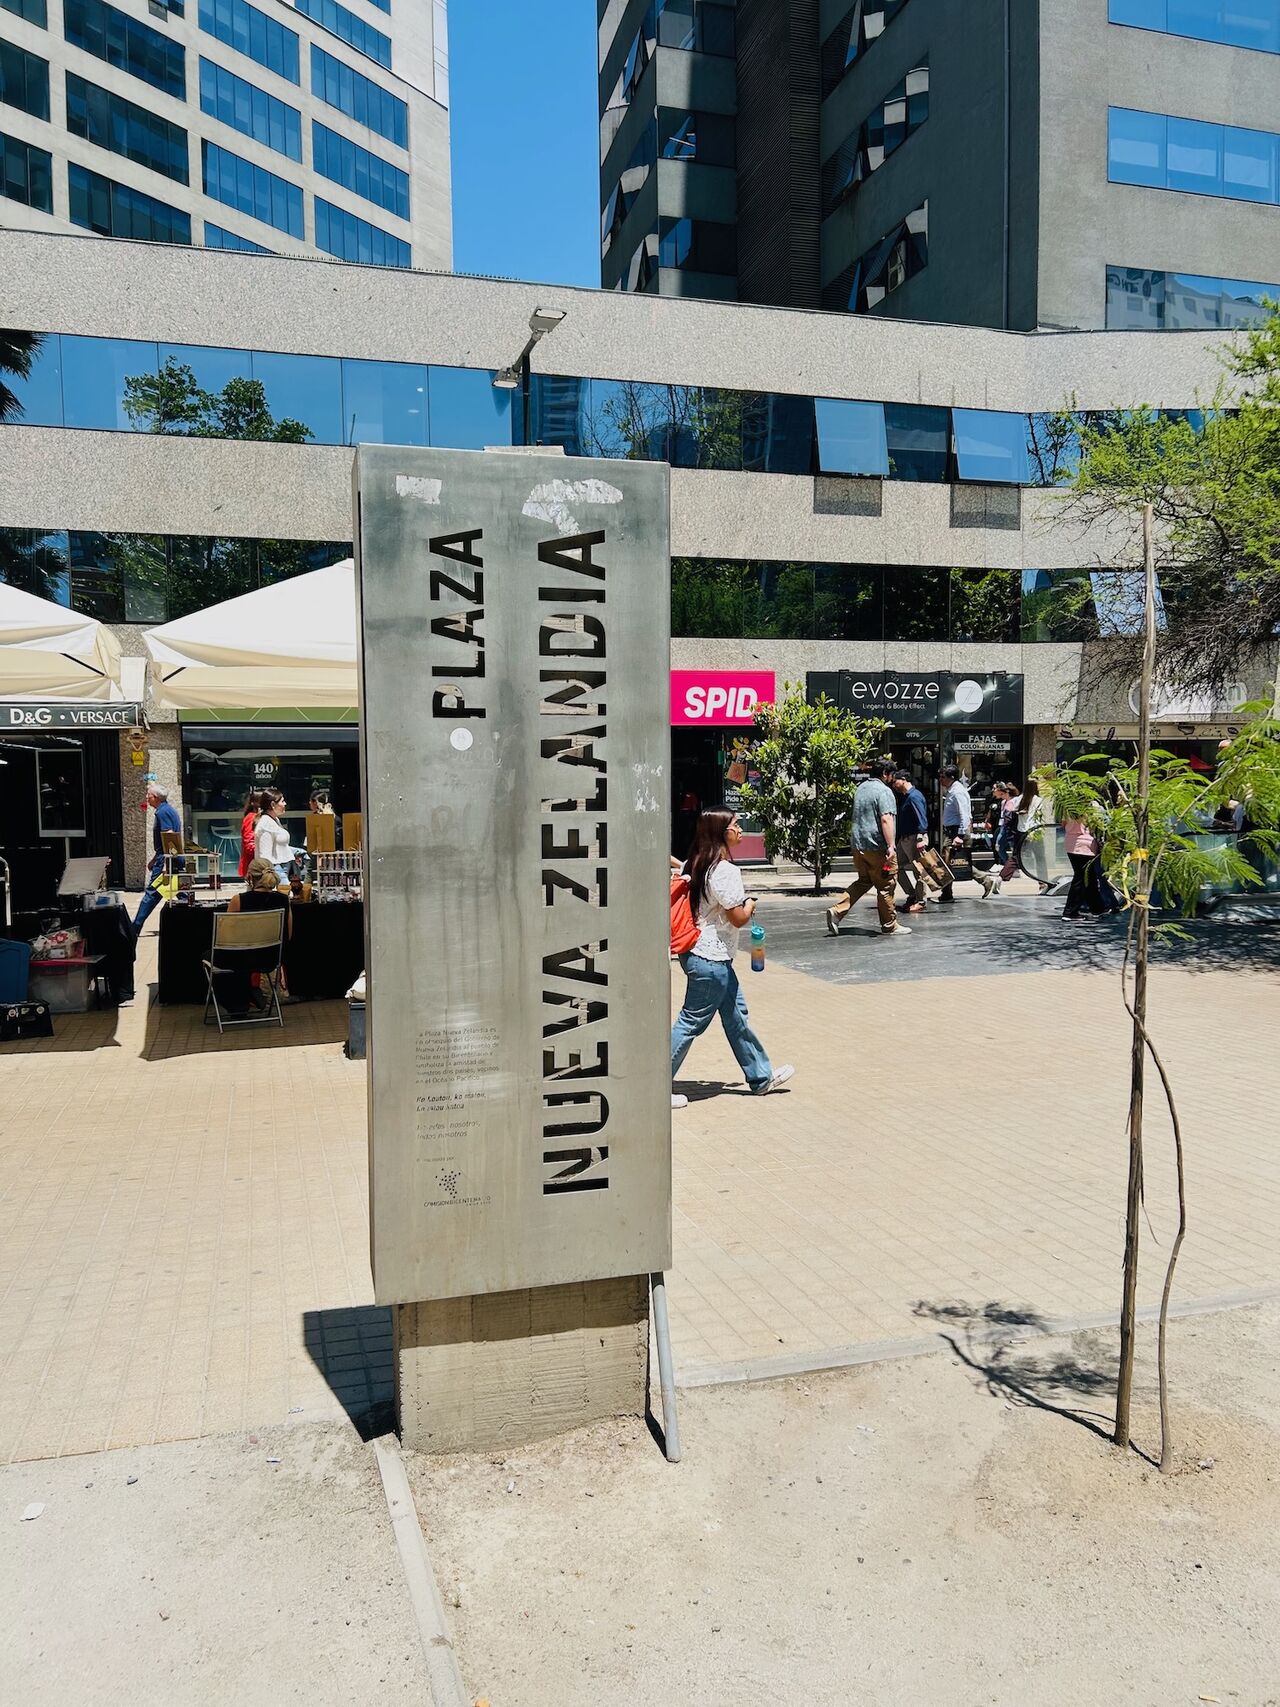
526 164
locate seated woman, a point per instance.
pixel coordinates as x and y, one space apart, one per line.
235 987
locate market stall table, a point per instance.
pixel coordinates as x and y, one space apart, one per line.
323 953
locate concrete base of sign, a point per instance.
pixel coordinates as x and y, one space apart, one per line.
506 1368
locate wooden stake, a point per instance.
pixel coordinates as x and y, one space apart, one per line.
1142 901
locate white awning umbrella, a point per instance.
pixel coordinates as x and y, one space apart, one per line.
290 644
50 652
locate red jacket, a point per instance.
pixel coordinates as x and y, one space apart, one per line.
246 842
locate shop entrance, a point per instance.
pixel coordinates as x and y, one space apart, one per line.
697 781
59 800
917 751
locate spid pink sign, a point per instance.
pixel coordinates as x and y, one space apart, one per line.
712 699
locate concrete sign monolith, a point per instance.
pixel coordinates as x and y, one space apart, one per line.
514 656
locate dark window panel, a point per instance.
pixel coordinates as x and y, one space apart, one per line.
252 33
698 245
985 605
349 28
26 175
705 137
126 43
859 29
252 189
1057 605
356 169
916 603
903 110
778 601
366 102
110 121
36 563
919 441
34 11
559 413
24 80
340 233
706 598
848 601
251 110
97 578
218 237
697 26
116 210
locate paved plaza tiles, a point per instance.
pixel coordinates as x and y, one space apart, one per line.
183 1218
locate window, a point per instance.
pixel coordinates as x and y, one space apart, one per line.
706 599
851 437
34 11
777 601
123 42
252 33
39 396
632 179
26 175
99 369
848 602
35 562
359 171
860 27
698 26
991 446
1141 300
111 122
303 388
366 102
350 239
698 245
352 30
919 441
249 109
916 603
252 189
115 210
706 137
903 110
24 81
218 237
467 411
1193 155
1238 23
985 606
384 403
212 369
887 265
634 65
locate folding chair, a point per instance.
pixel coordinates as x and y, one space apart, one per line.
242 942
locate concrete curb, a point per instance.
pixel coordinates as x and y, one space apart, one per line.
890 1351
443 1675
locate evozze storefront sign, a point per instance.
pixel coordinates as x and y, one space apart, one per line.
514 702
940 696
52 715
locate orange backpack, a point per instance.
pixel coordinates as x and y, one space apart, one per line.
684 929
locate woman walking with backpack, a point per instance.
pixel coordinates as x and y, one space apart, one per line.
719 906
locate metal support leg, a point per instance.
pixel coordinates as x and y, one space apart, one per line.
666 1371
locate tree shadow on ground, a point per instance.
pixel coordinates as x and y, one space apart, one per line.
990 1341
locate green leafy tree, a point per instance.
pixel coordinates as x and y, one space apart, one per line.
807 757
1212 478
17 353
170 401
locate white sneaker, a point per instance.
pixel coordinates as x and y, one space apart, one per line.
780 1077
677 1101
832 924
898 930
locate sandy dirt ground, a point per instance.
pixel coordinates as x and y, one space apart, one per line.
953 1529
215 1579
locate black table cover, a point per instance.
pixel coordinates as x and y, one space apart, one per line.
108 931
323 955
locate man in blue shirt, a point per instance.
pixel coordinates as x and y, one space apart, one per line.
166 818
913 834
874 836
957 829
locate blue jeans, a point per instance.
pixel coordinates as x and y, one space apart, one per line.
713 989
151 899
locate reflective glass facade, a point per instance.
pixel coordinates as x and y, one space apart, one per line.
341 234
249 109
217 237
351 29
1140 299
1204 159
150 578
705 137
1236 23
252 33
34 11
81 382
903 110
252 189
24 81
860 28
358 170
115 210
127 44
123 127
26 173
368 103
701 245
898 256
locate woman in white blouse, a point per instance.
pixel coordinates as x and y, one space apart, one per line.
270 838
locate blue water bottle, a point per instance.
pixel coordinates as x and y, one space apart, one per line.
757 948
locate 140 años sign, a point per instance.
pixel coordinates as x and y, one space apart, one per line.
514 682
